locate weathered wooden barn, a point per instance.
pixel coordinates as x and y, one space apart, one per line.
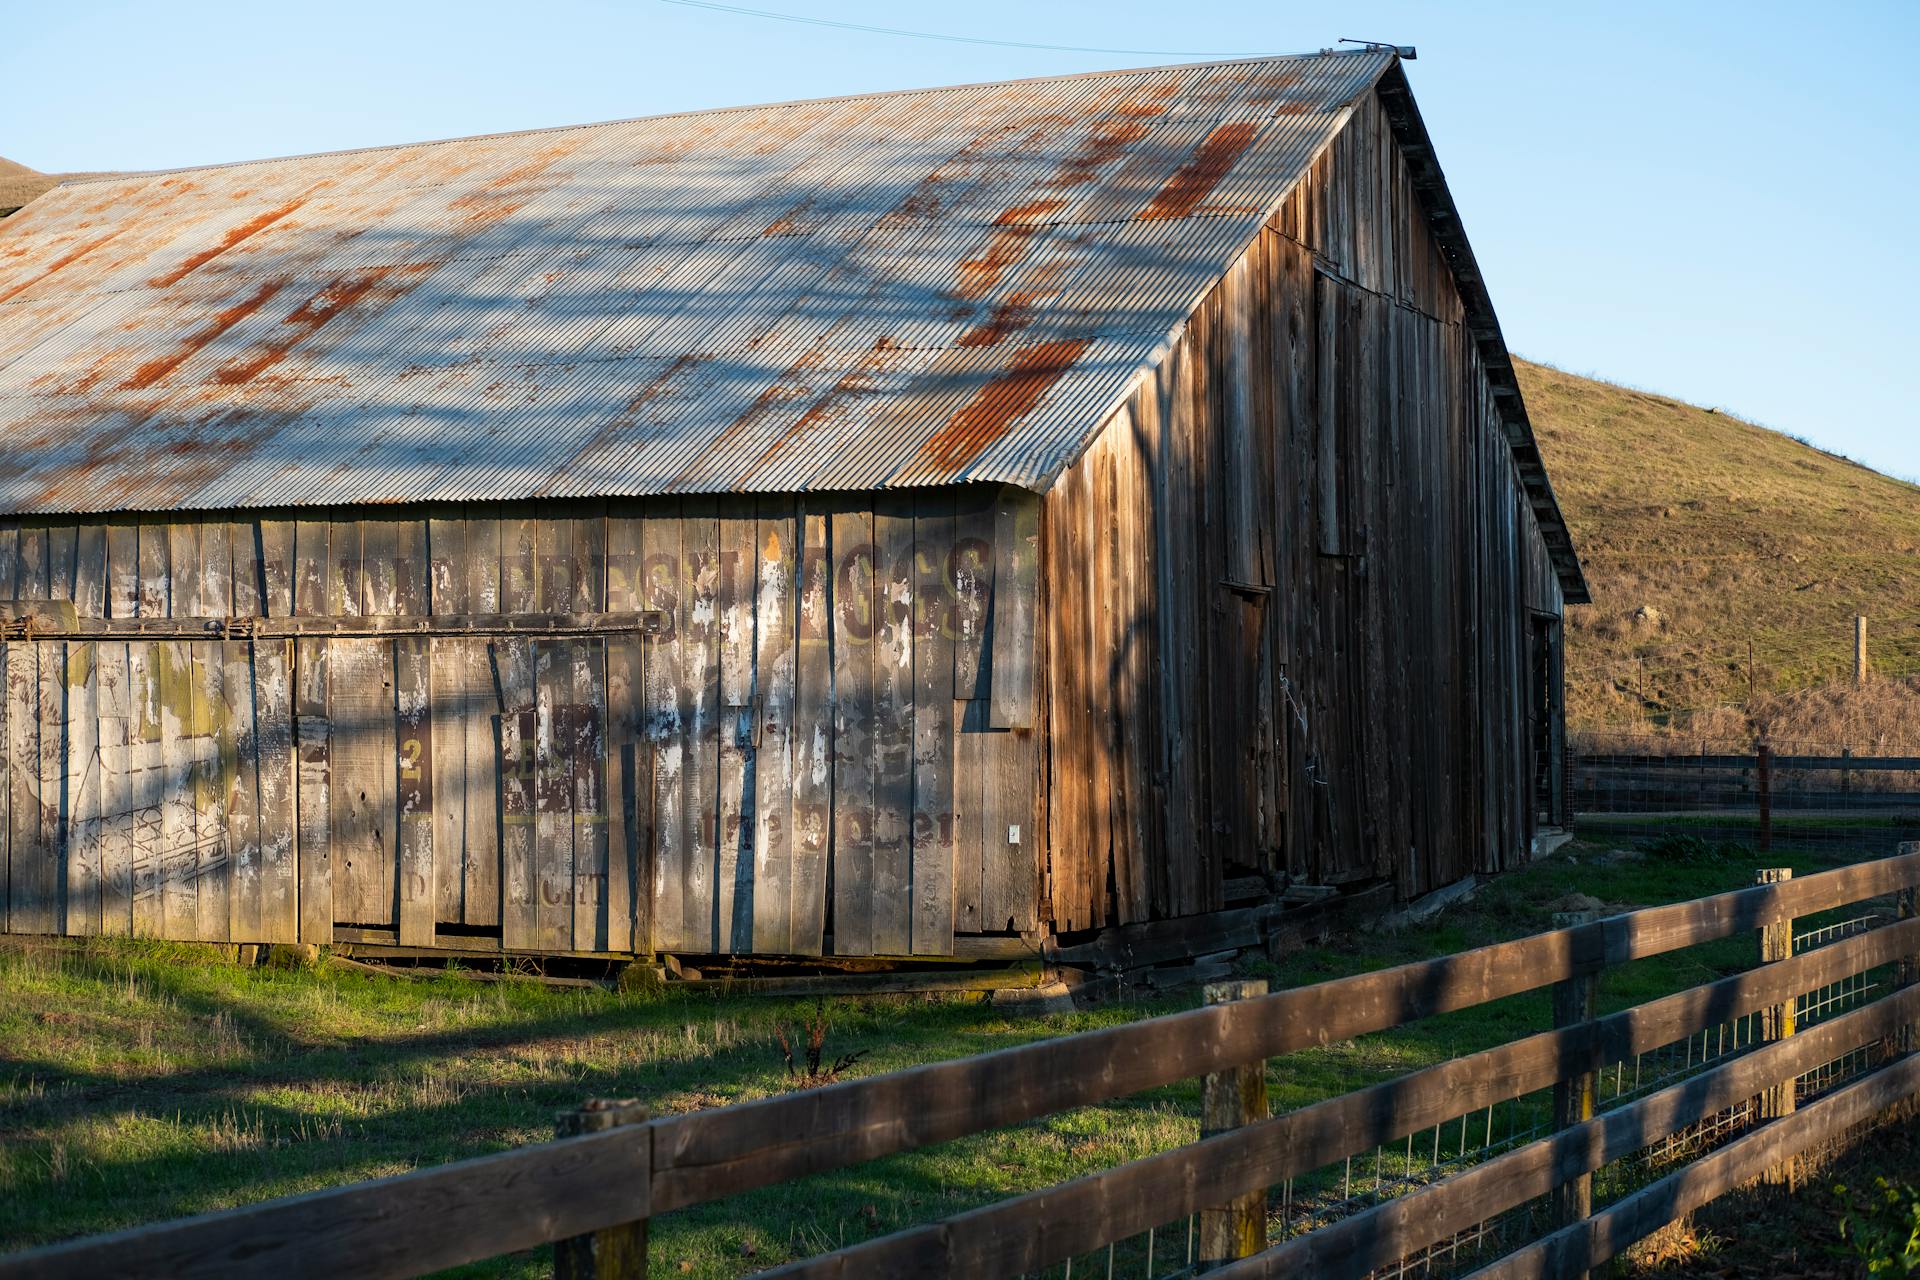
871 526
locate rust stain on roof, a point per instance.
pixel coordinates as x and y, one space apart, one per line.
1211 161
852 384
154 370
978 276
629 303
1008 317
996 406
251 227
64 260
332 299
789 222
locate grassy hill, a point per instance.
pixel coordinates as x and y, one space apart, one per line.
1702 535
19 184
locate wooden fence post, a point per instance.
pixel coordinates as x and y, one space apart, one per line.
1776 1022
1763 780
1232 1099
1573 1097
612 1253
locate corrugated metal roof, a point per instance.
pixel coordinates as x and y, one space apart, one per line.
924 287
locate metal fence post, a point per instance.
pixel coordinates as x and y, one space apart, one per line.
1232 1099
612 1253
1776 1022
1573 1003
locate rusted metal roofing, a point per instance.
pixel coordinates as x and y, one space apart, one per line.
909 288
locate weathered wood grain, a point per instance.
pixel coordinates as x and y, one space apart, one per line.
587 754
735 886
774 853
406 1225
935 633
361 765
666 706
812 720
856 604
892 725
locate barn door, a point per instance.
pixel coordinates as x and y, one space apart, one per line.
570 838
480 787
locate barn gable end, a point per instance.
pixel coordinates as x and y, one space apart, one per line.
1301 608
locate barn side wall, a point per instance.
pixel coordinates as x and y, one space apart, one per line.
827 745
1295 590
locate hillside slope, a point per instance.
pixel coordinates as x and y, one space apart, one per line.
1701 533
19 184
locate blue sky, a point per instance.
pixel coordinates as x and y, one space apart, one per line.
1712 201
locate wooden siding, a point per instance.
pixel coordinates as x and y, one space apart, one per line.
557 792
1290 591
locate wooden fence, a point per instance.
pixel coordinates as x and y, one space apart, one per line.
1760 780
594 1191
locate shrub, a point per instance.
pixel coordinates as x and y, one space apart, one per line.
1882 1228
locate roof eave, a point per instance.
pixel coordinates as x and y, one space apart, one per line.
1443 219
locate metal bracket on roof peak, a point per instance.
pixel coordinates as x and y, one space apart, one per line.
1406 51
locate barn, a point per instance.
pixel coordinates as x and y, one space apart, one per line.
909 524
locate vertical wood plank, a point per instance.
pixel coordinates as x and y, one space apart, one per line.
518 771
241 779
812 734
700 674
416 865
282 776
628 795
179 863
116 793
448 586
935 631
519 737
855 604
50 872
29 858
414 788
480 868
665 725
553 728
480 829
734 884
893 726
87 824
361 716
214 764
553 795
1016 541
213 738
587 761
312 732
773 761
345 574
588 749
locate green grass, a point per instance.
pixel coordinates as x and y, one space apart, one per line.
1728 531
139 1082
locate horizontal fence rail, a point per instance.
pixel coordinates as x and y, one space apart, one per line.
481 1208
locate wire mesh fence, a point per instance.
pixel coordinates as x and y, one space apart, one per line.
1323 1197
1798 792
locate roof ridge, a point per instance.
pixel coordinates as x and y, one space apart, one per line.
540 130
